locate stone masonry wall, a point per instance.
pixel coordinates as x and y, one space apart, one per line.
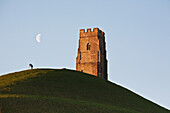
91 56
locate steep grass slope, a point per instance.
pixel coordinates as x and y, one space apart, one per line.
56 91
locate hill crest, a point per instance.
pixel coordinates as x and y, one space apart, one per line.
63 87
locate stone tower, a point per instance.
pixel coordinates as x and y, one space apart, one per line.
91 56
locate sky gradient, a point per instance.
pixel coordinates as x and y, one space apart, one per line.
137 39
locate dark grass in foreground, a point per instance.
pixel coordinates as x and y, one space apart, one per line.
53 91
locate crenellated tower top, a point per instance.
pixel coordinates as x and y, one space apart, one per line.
91 32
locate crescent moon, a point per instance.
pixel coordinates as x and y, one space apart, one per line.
38 37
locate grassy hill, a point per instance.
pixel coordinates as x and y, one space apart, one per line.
58 91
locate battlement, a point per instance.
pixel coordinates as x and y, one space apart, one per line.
89 30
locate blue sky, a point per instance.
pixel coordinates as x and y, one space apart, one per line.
137 39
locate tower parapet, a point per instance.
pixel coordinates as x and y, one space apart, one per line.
91 56
90 32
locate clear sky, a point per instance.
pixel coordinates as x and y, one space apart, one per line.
137 39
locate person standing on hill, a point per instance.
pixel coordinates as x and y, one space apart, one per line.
31 66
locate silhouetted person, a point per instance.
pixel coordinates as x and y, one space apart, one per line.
31 66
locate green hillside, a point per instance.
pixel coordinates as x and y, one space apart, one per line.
58 91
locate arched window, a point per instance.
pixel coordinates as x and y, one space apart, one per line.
88 46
